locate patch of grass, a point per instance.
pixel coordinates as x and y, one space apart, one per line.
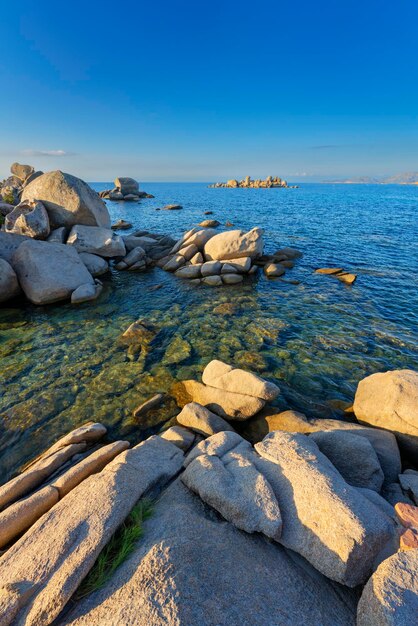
120 546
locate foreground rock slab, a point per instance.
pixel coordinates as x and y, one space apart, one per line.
390 598
49 272
193 568
390 400
327 521
55 555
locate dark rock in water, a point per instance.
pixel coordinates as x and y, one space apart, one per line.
290 253
209 223
329 270
193 567
152 403
208 213
121 225
140 332
272 270
171 207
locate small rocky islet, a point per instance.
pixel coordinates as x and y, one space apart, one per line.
248 183
242 492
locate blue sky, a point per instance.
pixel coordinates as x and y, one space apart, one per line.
204 91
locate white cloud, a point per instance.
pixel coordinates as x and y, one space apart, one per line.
46 153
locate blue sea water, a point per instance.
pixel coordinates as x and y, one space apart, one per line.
64 365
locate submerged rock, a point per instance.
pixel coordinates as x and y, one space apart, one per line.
273 269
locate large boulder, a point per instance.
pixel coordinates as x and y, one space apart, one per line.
338 530
9 285
222 376
193 568
9 243
126 185
236 406
68 200
390 598
54 555
28 218
353 456
49 272
234 244
96 240
390 400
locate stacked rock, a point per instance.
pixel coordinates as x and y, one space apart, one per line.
11 188
125 189
203 256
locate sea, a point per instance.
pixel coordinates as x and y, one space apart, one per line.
63 365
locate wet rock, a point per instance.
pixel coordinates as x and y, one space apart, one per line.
132 259
55 555
201 420
346 277
390 597
229 405
178 350
273 269
232 279
234 244
96 240
174 263
68 200
181 437
233 486
222 376
189 271
329 270
325 520
210 560
226 308
172 207
86 293
390 400
146 406
96 265
28 218
209 223
49 272
353 456
212 281
121 225
290 253
140 332
58 235
9 285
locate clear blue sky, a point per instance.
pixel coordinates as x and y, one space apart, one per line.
197 90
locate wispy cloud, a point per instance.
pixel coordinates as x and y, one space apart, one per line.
47 153
329 146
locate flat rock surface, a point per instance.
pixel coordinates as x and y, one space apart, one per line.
222 376
192 568
201 420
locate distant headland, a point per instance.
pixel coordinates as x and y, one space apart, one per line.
406 178
248 183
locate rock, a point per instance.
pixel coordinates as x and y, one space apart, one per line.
409 483
49 272
136 258
236 406
55 555
339 531
222 376
390 597
9 285
95 264
140 332
228 269
152 403
178 350
197 259
121 225
212 281
68 200
188 567
131 197
408 540
234 244
181 437
5 208
273 269
290 253
407 515
86 293
201 420
209 223
353 456
188 252
329 270
132 242
58 235
390 400
28 218
346 278
287 264
96 240
189 271
232 279
115 196
211 268
392 492
126 185
242 265
32 177
383 442
196 237
171 207
380 502
21 171
233 486
174 263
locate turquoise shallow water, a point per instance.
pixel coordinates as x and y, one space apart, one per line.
62 365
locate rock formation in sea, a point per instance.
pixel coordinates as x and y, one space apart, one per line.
248 183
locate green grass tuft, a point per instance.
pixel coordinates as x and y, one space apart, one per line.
120 546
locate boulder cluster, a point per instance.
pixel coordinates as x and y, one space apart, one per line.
235 516
125 189
248 183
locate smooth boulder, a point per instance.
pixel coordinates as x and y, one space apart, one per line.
389 400
95 264
68 200
222 376
95 240
234 244
49 272
9 285
201 420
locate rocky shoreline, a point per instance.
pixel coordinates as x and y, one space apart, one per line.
247 183
330 505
